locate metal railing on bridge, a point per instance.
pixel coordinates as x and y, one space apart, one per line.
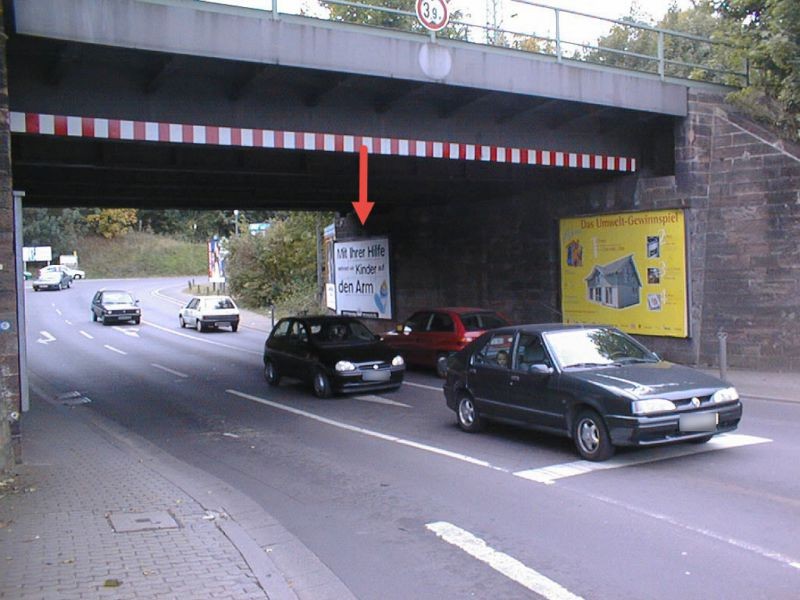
556 32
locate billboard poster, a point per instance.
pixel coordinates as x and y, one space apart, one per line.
362 278
626 270
216 260
37 254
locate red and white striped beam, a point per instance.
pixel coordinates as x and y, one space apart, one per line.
179 133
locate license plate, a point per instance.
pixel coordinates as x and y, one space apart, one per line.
699 422
376 375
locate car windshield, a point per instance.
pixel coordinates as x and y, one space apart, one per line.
479 321
219 303
51 275
596 348
339 332
117 298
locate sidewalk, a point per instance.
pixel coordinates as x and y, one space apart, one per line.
763 385
94 512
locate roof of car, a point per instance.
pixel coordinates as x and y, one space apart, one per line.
457 309
544 327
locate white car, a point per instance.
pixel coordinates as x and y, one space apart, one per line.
206 312
73 273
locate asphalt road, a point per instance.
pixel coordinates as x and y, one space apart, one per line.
400 504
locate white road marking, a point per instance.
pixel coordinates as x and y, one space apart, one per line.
501 562
197 339
168 370
763 552
67 321
425 387
368 432
129 331
86 335
157 293
58 312
46 338
118 351
551 474
380 400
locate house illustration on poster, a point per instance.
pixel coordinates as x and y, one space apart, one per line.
616 285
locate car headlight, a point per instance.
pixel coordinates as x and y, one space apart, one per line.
653 405
344 365
398 361
137 311
725 395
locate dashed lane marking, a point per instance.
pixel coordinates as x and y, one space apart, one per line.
86 335
117 350
501 562
67 321
551 474
58 312
368 432
168 370
380 400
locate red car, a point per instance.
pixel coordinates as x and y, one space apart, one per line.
429 337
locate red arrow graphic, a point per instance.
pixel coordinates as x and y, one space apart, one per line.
363 206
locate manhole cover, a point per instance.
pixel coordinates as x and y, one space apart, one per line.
147 521
72 399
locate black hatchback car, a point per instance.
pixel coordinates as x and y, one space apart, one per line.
594 384
334 354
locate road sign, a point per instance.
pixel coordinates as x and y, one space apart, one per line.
433 14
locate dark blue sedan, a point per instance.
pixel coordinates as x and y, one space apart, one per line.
594 384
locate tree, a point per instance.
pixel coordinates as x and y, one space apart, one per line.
770 32
59 228
112 222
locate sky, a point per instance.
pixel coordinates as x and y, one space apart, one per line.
518 16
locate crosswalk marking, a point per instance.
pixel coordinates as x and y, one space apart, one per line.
380 400
550 474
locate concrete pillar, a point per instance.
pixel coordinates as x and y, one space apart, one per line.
9 330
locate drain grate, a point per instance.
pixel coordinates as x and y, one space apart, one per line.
72 399
147 521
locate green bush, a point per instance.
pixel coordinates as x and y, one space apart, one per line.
278 268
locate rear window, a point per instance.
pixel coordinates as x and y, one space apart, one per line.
481 321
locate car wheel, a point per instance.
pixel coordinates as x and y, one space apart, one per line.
234 327
467 415
271 373
94 316
137 320
181 321
322 384
198 324
591 437
701 440
105 321
441 365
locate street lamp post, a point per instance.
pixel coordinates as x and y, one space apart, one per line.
236 222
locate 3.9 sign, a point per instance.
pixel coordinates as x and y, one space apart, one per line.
433 14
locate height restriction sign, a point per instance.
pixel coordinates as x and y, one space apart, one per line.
433 14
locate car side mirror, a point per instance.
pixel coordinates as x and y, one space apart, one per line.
136 302
540 369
